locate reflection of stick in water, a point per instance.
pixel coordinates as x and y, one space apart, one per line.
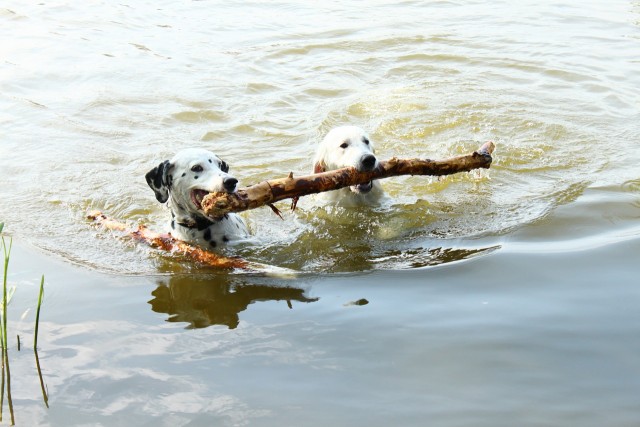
216 205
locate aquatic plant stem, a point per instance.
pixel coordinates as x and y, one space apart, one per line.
2 387
5 355
35 337
5 358
4 286
45 395
7 255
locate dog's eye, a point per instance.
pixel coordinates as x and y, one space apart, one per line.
196 168
344 145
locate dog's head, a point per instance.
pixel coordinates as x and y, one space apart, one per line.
346 146
187 178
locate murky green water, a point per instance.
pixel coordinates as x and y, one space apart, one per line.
495 298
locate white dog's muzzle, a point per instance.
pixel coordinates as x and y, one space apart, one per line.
367 162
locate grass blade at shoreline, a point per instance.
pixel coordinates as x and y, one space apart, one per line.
7 255
35 337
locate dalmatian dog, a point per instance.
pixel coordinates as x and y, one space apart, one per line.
183 181
342 147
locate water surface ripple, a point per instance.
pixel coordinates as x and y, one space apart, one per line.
495 298
95 94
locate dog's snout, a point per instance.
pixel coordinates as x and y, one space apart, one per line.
368 161
229 184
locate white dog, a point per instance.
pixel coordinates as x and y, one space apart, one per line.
343 147
183 181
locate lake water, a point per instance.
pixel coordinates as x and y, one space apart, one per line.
495 298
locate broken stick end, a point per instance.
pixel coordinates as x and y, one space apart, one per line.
487 148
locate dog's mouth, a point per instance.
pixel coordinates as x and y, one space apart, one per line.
196 197
362 188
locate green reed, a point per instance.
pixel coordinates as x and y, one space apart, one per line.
6 297
8 293
6 378
35 337
7 256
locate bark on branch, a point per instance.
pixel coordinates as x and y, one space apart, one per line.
216 205
169 244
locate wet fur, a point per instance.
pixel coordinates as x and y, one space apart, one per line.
174 181
343 147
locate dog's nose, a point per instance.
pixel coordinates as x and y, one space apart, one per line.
368 161
229 184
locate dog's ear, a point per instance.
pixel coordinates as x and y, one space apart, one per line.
159 179
319 167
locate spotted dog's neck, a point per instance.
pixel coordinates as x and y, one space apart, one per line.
208 233
199 223
180 216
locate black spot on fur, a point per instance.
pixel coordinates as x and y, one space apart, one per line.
225 239
184 174
195 177
213 243
173 224
207 234
160 171
202 223
210 161
158 179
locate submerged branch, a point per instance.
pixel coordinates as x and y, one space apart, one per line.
216 205
169 244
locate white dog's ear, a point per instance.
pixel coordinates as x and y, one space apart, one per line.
159 180
319 167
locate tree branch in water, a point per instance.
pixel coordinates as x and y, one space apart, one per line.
169 244
268 192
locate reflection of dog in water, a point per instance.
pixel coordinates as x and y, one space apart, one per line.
206 301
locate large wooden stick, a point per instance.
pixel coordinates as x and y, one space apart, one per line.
170 244
216 205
